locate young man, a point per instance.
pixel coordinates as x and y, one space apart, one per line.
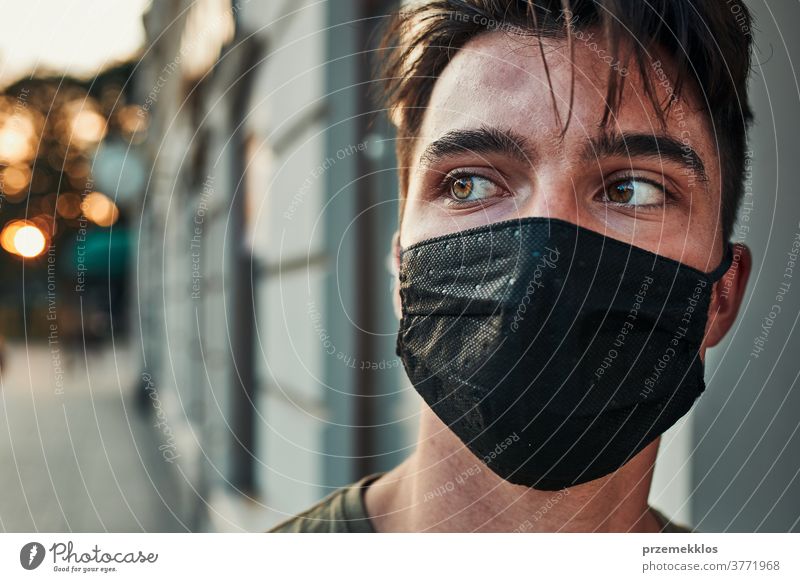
569 176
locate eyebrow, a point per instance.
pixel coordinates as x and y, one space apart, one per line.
491 140
483 140
645 145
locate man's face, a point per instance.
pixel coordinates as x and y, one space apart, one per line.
489 150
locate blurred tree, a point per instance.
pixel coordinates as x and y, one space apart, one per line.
50 129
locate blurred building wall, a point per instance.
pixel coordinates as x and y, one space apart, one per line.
263 292
746 457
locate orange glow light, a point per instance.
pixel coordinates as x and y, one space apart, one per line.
16 179
88 127
68 205
100 209
22 238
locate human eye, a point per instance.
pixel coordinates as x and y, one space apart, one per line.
636 191
464 188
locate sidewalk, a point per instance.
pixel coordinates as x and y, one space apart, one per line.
75 453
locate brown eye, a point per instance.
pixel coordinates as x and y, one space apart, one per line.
462 187
621 192
471 188
636 192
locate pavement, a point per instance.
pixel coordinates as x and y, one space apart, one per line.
76 454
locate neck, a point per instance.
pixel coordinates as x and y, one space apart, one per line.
443 487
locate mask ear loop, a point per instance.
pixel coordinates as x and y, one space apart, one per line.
727 261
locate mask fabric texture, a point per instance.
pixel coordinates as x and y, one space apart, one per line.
553 352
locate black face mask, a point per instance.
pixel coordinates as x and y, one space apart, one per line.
553 352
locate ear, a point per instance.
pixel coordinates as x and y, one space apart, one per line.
395 269
727 296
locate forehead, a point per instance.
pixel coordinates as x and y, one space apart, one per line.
500 80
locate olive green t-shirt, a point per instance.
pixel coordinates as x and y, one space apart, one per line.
343 511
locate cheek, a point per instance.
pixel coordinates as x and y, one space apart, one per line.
422 221
421 218
700 222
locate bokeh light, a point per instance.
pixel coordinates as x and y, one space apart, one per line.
68 205
81 124
15 180
100 209
17 138
23 238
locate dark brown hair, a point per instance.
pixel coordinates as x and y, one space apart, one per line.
708 43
